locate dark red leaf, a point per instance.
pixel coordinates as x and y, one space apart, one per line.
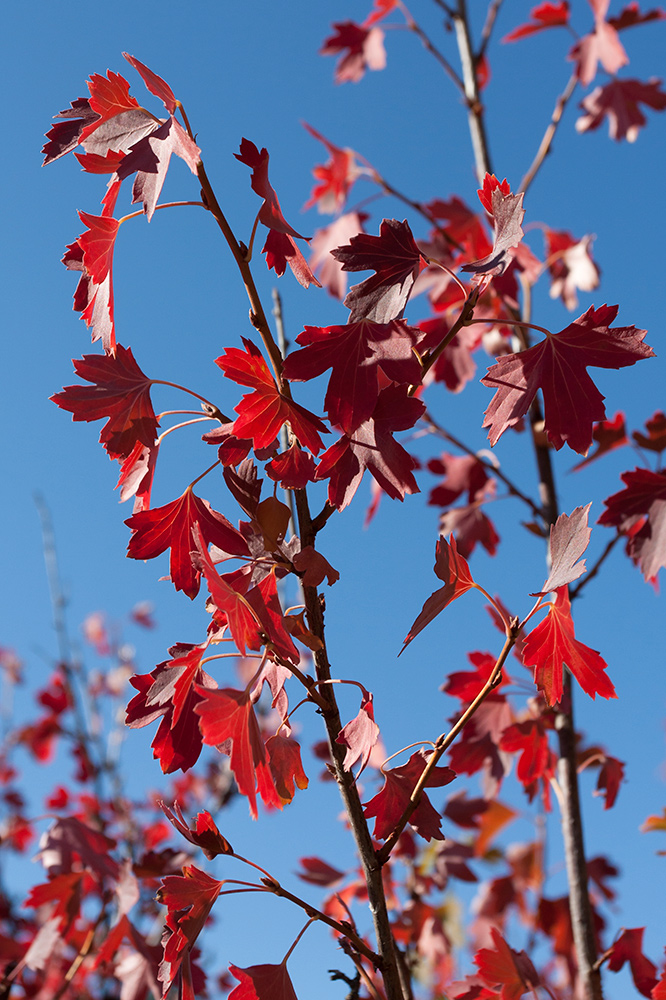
65 135
611 776
558 366
168 692
318 872
281 250
373 447
354 352
362 48
284 760
655 439
397 261
640 511
204 833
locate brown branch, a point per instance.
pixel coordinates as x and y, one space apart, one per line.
372 869
574 592
340 928
547 141
491 17
429 45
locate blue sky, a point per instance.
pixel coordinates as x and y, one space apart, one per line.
252 70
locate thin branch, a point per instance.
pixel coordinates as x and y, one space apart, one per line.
491 17
547 141
496 471
428 44
574 592
444 741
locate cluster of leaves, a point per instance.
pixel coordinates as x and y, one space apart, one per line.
93 914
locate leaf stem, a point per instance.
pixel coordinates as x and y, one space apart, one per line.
166 204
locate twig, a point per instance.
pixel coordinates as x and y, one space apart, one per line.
444 741
432 48
511 486
371 868
491 17
549 134
574 592
475 116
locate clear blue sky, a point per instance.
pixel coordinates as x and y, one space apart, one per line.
252 70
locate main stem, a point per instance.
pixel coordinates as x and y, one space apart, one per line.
572 821
372 869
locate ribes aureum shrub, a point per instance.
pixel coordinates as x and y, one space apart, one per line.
89 928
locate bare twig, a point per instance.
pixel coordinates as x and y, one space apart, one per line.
547 141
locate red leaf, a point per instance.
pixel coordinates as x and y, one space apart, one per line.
318 872
397 261
471 525
156 530
620 101
611 776
136 476
204 833
545 15
270 213
354 352
629 948
373 447
168 692
155 84
189 899
119 391
314 567
454 571
263 412
462 473
655 439
284 760
262 982
335 177
552 644
360 735
558 366
640 511
364 50
149 159
390 803
228 715
507 213
608 435
94 295
293 469
502 966
530 739
569 537
281 250
121 121
69 844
